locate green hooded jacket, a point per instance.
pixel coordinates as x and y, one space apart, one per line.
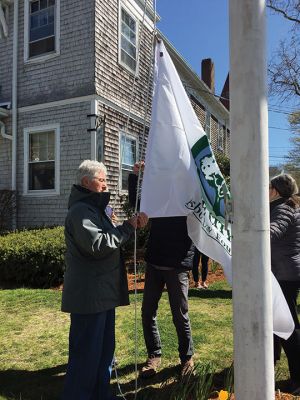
95 279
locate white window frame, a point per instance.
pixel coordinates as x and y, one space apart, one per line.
126 9
46 192
131 137
42 57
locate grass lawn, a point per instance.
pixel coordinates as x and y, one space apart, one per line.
34 342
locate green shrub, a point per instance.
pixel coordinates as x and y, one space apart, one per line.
33 258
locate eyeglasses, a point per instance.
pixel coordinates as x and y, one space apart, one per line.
102 180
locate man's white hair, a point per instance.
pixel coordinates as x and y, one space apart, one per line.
89 168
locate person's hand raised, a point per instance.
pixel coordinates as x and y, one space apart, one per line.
137 166
142 220
138 221
133 221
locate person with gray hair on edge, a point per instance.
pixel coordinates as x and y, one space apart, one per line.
95 283
285 263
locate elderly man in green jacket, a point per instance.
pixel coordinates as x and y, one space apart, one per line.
95 283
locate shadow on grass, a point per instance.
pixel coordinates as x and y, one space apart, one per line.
162 386
211 294
43 384
150 388
47 384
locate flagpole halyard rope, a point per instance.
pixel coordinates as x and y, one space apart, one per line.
146 110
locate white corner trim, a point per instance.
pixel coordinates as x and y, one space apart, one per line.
42 193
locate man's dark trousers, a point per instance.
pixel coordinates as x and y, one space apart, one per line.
177 283
91 351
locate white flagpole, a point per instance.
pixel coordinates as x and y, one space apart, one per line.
252 298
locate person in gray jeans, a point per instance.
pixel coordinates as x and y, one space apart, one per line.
169 258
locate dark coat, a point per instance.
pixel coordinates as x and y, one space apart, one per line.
95 279
169 244
285 240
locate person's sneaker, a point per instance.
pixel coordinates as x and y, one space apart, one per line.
204 285
150 368
187 367
198 285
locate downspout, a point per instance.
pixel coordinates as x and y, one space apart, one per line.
3 130
14 109
3 21
14 96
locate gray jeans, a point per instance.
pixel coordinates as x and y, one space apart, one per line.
177 283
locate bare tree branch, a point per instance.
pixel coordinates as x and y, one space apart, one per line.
288 9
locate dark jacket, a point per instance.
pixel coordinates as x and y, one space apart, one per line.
285 240
95 279
169 244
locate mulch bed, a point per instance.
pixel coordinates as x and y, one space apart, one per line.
212 277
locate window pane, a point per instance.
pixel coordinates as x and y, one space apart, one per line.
34 21
51 3
125 17
128 153
51 146
128 60
125 30
128 47
129 21
34 6
133 37
42 46
43 4
43 17
34 154
128 33
51 15
41 32
42 147
41 176
128 158
43 142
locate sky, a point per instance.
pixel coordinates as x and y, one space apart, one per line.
199 29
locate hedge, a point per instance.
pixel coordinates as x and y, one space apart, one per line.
33 258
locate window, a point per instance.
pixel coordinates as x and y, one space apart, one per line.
207 124
221 131
128 157
41 160
128 41
41 28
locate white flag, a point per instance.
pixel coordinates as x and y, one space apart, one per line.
182 178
